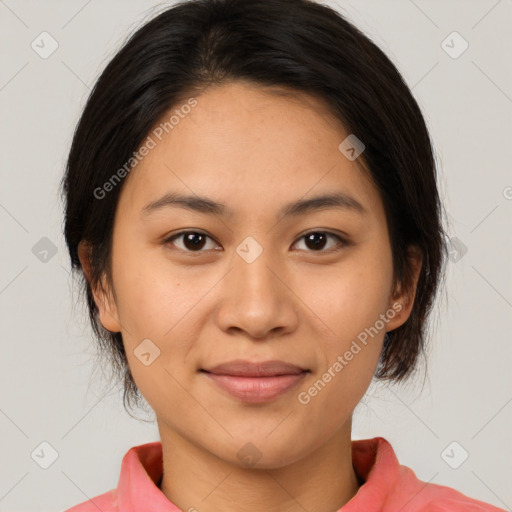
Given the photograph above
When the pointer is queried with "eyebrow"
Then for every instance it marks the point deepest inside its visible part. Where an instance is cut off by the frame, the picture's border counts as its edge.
(338, 200)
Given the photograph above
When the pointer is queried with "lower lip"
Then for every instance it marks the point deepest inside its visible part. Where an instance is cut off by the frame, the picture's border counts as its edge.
(256, 389)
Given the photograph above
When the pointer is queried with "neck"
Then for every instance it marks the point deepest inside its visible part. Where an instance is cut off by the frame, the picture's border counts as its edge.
(323, 481)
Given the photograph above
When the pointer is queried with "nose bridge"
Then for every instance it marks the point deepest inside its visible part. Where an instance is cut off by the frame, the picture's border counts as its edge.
(254, 299)
(251, 268)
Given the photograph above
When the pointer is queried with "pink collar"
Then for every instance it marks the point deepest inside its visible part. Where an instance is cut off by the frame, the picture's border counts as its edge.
(142, 467)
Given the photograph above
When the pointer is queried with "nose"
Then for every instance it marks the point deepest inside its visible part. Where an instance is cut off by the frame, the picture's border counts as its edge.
(257, 298)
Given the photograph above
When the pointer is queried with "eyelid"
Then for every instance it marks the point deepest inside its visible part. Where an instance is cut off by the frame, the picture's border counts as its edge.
(343, 240)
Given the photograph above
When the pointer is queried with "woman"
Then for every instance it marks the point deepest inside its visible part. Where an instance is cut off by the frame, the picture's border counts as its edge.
(251, 199)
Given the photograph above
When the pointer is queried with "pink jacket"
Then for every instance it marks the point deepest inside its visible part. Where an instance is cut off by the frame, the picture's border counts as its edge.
(388, 487)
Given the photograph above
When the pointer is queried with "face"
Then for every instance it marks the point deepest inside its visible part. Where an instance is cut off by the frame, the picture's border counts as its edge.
(197, 285)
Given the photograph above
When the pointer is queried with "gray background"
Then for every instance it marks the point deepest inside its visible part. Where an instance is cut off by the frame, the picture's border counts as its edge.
(51, 387)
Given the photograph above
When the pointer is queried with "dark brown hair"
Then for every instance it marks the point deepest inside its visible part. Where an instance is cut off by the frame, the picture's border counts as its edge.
(300, 45)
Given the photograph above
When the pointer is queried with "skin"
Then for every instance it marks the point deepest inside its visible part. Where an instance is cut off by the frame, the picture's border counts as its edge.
(255, 151)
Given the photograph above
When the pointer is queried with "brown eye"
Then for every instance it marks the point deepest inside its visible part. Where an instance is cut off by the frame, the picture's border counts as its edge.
(195, 241)
(192, 241)
(316, 241)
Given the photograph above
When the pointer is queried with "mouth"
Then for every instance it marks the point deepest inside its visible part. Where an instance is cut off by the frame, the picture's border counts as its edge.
(255, 382)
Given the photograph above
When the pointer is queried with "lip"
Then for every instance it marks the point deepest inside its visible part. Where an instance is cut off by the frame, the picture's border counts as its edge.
(255, 382)
(245, 368)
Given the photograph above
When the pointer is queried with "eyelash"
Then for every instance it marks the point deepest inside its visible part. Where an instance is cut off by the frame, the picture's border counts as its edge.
(342, 242)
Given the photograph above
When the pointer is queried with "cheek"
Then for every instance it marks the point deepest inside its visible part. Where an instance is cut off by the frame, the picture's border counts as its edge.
(349, 297)
(350, 305)
(349, 300)
(152, 295)
(158, 302)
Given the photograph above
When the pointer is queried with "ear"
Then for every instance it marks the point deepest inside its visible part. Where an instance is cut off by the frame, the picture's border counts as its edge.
(103, 297)
(402, 299)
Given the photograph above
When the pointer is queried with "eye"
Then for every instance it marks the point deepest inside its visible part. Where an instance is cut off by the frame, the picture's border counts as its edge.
(195, 241)
(316, 240)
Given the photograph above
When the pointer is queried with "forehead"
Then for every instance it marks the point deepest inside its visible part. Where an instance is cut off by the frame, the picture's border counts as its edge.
(249, 147)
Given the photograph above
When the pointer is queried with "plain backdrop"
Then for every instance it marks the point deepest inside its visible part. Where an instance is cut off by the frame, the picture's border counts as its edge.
(51, 389)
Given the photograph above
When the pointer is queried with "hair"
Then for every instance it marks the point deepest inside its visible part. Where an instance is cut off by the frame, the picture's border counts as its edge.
(299, 46)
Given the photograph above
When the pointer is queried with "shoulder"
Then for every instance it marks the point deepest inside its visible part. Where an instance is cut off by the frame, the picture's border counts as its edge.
(389, 486)
(439, 498)
(106, 502)
(416, 495)
(141, 467)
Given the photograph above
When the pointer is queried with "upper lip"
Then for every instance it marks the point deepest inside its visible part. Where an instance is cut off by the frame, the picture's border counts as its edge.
(246, 368)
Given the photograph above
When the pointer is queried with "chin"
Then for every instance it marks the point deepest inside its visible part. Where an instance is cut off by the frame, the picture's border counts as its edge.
(261, 451)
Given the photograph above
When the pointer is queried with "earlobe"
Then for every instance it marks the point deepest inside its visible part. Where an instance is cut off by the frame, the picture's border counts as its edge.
(103, 297)
(108, 314)
(402, 300)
